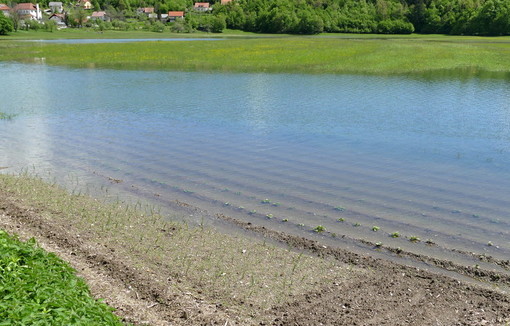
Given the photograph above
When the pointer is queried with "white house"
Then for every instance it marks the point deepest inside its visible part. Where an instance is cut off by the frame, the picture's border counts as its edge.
(28, 11)
(56, 7)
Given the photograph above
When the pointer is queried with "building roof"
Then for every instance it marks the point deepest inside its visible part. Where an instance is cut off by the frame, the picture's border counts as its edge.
(98, 14)
(4, 7)
(55, 4)
(148, 10)
(176, 14)
(25, 6)
(224, 2)
(201, 5)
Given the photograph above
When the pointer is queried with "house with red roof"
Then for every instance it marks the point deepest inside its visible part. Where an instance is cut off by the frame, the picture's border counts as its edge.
(100, 15)
(174, 15)
(202, 6)
(224, 2)
(28, 11)
(5, 9)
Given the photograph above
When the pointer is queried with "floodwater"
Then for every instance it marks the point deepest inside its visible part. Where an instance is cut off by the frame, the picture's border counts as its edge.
(428, 158)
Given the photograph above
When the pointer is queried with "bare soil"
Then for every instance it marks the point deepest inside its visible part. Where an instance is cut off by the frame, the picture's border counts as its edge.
(391, 294)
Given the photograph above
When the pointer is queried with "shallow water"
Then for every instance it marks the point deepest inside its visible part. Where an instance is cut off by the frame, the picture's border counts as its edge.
(424, 157)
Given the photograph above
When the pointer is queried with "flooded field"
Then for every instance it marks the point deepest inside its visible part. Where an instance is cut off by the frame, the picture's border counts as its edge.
(422, 165)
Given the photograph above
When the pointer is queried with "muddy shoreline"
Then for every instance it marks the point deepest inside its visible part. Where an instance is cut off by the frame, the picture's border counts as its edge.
(387, 294)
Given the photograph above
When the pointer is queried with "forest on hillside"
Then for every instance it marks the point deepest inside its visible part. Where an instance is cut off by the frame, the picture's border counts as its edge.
(457, 17)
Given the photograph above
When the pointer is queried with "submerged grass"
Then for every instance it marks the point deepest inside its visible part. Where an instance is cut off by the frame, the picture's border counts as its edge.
(250, 276)
(38, 288)
(320, 54)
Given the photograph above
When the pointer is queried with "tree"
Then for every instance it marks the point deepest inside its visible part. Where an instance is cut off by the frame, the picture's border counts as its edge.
(6, 25)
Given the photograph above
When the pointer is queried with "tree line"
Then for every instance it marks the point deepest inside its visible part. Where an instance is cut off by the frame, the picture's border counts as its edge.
(456, 17)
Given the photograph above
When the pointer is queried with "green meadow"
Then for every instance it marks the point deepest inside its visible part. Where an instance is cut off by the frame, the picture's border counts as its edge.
(244, 52)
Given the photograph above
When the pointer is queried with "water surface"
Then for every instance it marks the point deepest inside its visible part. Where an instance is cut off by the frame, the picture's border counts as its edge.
(422, 157)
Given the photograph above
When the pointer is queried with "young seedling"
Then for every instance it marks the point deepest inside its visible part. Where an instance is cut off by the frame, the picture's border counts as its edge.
(252, 212)
(378, 244)
(430, 242)
(356, 224)
(270, 216)
(319, 229)
(275, 204)
(375, 228)
(265, 201)
(395, 235)
(490, 244)
(285, 220)
(414, 239)
(341, 219)
(339, 208)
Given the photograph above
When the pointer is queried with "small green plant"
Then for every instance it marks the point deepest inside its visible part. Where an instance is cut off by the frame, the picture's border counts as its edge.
(6, 116)
(395, 235)
(275, 204)
(356, 224)
(375, 228)
(490, 244)
(339, 208)
(252, 212)
(301, 224)
(430, 242)
(378, 244)
(269, 216)
(319, 229)
(285, 220)
(265, 201)
(414, 239)
(226, 204)
(341, 219)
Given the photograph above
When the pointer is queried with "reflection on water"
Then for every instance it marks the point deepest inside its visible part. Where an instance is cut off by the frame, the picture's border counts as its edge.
(422, 157)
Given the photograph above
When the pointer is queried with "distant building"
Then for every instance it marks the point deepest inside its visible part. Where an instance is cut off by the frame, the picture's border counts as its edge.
(28, 11)
(5, 9)
(147, 11)
(99, 15)
(56, 7)
(202, 6)
(85, 4)
(59, 19)
(174, 15)
(224, 2)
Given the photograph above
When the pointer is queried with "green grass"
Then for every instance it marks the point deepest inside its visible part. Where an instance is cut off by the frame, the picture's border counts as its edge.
(37, 288)
(6, 116)
(351, 54)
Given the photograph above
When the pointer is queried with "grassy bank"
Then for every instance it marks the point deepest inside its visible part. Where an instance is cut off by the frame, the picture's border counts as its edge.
(379, 55)
(37, 288)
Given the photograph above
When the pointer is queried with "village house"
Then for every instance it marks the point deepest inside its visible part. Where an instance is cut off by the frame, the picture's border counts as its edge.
(5, 9)
(146, 11)
(224, 2)
(85, 4)
(174, 15)
(100, 15)
(59, 19)
(56, 7)
(202, 6)
(28, 11)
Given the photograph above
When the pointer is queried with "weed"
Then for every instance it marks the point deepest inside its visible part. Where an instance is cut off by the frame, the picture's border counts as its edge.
(285, 220)
(275, 204)
(252, 212)
(490, 244)
(356, 224)
(395, 235)
(265, 201)
(378, 244)
(375, 228)
(341, 219)
(414, 239)
(6, 116)
(269, 216)
(339, 208)
(319, 229)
